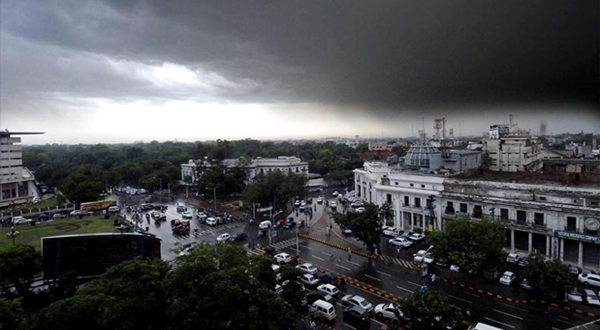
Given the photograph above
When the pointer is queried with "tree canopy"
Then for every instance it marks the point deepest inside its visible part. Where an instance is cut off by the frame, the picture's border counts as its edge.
(548, 278)
(18, 266)
(429, 311)
(275, 188)
(365, 226)
(475, 246)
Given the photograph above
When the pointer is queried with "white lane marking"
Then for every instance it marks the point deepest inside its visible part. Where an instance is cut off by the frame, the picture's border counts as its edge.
(461, 299)
(569, 323)
(555, 328)
(314, 256)
(507, 314)
(374, 320)
(371, 277)
(327, 254)
(407, 290)
(504, 324)
(413, 283)
(382, 273)
(354, 263)
(346, 268)
(507, 305)
(351, 327)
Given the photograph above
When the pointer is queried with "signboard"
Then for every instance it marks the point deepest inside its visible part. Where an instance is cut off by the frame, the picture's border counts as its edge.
(591, 223)
(92, 254)
(577, 237)
(424, 270)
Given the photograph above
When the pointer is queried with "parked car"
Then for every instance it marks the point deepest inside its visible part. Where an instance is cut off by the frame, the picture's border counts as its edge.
(417, 237)
(591, 297)
(211, 221)
(309, 279)
(114, 209)
(223, 238)
(512, 258)
(347, 232)
(283, 257)
(357, 315)
(525, 284)
(442, 262)
(575, 295)
(507, 278)
(278, 290)
(428, 258)
(187, 215)
(400, 241)
(392, 232)
(20, 220)
(56, 216)
(419, 256)
(523, 262)
(388, 311)
(351, 300)
(75, 213)
(334, 194)
(574, 270)
(239, 237)
(264, 225)
(328, 289)
(307, 268)
(589, 279)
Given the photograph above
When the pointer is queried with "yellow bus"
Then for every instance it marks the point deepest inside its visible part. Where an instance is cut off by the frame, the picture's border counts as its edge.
(97, 205)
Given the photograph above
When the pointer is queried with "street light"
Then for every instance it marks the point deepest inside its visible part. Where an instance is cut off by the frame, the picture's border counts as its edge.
(13, 233)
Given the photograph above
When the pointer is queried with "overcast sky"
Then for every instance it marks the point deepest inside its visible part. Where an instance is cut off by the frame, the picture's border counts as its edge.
(124, 71)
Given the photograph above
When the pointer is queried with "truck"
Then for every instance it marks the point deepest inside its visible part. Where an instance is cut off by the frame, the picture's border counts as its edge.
(98, 205)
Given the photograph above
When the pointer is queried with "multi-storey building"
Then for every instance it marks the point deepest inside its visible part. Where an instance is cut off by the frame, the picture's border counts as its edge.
(16, 182)
(255, 167)
(513, 151)
(543, 215)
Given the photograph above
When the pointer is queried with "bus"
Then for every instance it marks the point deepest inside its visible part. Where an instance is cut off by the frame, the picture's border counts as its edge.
(98, 205)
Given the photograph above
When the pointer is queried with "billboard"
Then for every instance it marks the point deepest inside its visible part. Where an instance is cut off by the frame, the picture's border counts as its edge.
(92, 254)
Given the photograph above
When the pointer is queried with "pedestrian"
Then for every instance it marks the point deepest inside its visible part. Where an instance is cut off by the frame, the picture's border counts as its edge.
(398, 249)
(349, 254)
(331, 260)
(433, 279)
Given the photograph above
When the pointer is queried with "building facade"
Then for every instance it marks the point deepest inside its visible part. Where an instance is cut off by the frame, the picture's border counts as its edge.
(558, 221)
(253, 168)
(513, 151)
(17, 183)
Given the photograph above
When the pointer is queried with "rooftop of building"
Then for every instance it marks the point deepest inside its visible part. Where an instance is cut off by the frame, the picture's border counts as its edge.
(536, 178)
(7, 133)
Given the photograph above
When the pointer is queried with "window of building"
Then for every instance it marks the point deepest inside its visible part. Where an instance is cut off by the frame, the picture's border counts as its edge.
(406, 201)
(504, 214)
(417, 202)
(521, 216)
(538, 219)
(464, 208)
(412, 184)
(449, 208)
(477, 212)
(389, 198)
(571, 224)
(422, 186)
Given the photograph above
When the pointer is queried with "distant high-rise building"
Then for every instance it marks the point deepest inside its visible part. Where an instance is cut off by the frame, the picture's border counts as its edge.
(512, 149)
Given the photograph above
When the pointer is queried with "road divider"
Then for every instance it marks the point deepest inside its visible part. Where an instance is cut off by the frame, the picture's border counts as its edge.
(337, 246)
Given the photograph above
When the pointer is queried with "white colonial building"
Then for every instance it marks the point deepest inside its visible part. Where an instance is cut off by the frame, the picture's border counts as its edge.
(253, 168)
(548, 217)
(17, 183)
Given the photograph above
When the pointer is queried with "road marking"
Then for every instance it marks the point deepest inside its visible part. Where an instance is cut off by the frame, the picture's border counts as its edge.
(507, 314)
(461, 299)
(471, 294)
(346, 268)
(382, 273)
(413, 283)
(569, 323)
(504, 324)
(374, 320)
(555, 328)
(314, 256)
(327, 254)
(507, 305)
(351, 327)
(371, 277)
(407, 290)
(354, 263)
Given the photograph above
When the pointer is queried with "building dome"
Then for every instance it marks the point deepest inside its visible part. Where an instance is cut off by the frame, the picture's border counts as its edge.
(419, 153)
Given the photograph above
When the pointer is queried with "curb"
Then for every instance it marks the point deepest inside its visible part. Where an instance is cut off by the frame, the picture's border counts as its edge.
(337, 246)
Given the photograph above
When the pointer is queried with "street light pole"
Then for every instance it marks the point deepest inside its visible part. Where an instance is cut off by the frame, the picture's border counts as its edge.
(214, 197)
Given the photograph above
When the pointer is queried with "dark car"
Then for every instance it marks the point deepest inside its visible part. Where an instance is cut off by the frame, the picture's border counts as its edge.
(329, 278)
(270, 251)
(289, 224)
(523, 262)
(240, 237)
(442, 262)
(45, 216)
(358, 316)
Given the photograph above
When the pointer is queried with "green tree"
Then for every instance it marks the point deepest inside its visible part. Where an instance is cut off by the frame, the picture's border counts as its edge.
(475, 246)
(18, 266)
(130, 295)
(274, 188)
(84, 185)
(486, 161)
(365, 226)
(429, 311)
(11, 313)
(549, 278)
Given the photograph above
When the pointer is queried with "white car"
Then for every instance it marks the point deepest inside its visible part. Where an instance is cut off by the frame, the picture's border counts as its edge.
(428, 258)
(201, 214)
(360, 210)
(400, 241)
(350, 300)
(507, 278)
(223, 238)
(575, 295)
(589, 278)
(333, 205)
(591, 297)
(454, 268)
(320, 200)
(512, 258)
(187, 215)
(416, 237)
(211, 221)
(391, 232)
(302, 203)
(328, 289)
(357, 204)
(419, 256)
(283, 258)
(297, 203)
(307, 268)
(309, 280)
(388, 311)
(18, 220)
(335, 193)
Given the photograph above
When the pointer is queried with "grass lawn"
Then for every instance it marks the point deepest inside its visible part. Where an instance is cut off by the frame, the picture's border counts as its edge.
(31, 234)
(35, 207)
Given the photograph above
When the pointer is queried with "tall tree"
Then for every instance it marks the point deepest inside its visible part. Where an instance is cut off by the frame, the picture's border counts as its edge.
(549, 278)
(365, 226)
(18, 266)
(274, 188)
(429, 311)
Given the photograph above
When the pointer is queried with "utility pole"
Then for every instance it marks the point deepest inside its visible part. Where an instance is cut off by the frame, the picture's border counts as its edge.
(214, 197)
(297, 243)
